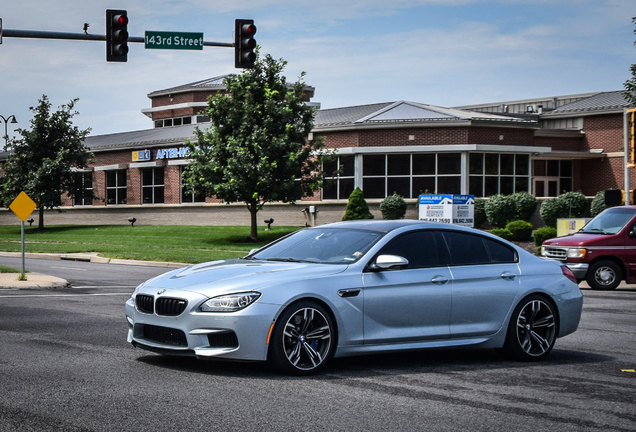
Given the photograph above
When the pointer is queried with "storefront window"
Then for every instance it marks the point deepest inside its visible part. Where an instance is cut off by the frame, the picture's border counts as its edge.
(552, 177)
(341, 185)
(410, 175)
(84, 193)
(492, 174)
(116, 189)
(152, 185)
(186, 195)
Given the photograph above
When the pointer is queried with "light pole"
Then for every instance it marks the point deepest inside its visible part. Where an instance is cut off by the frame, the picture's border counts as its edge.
(6, 133)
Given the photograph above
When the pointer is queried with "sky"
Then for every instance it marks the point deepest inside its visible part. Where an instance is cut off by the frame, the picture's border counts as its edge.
(354, 52)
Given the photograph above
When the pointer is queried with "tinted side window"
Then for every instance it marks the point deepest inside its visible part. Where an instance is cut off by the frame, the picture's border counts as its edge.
(466, 249)
(500, 253)
(419, 248)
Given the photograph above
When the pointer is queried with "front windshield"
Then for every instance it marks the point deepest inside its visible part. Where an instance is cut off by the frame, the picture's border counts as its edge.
(611, 221)
(316, 245)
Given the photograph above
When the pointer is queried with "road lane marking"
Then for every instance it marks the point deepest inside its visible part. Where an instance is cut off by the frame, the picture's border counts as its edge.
(69, 268)
(65, 295)
(629, 370)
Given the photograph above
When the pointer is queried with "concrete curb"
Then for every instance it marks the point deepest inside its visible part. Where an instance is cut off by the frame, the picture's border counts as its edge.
(34, 281)
(94, 258)
(40, 281)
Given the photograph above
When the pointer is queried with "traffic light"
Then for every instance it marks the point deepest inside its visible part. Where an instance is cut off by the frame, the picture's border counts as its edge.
(244, 43)
(116, 35)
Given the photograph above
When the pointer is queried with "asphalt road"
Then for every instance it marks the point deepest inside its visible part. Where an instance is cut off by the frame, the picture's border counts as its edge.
(65, 365)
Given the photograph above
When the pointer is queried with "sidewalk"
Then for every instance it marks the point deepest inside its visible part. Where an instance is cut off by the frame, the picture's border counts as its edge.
(41, 281)
(34, 281)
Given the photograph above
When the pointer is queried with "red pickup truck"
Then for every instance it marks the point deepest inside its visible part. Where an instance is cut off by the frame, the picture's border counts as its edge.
(603, 252)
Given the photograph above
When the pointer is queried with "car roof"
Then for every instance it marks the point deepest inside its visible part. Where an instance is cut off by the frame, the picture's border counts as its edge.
(384, 225)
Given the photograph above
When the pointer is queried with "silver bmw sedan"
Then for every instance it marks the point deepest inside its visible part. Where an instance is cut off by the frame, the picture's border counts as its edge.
(359, 287)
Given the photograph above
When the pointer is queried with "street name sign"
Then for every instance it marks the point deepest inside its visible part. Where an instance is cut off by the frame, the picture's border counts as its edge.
(173, 40)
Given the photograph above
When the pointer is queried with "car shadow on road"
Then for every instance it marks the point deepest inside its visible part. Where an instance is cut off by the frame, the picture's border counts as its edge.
(425, 361)
(446, 360)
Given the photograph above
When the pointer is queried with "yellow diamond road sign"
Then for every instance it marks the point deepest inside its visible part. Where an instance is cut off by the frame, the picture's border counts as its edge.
(23, 206)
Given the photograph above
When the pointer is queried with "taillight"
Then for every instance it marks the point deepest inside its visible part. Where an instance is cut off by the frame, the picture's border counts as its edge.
(568, 274)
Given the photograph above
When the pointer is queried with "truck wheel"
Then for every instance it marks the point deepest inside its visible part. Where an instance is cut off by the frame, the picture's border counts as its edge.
(604, 275)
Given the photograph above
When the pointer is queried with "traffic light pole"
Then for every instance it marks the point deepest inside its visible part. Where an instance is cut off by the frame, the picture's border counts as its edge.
(34, 34)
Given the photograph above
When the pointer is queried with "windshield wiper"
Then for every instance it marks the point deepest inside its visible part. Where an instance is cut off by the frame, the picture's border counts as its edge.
(283, 259)
(595, 231)
(308, 260)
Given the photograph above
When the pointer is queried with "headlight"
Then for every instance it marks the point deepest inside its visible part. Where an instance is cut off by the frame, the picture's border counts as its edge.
(230, 302)
(576, 252)
(542, 250)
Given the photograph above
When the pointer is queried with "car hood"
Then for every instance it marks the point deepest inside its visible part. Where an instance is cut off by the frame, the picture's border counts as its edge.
(227, 276)
(582, 239)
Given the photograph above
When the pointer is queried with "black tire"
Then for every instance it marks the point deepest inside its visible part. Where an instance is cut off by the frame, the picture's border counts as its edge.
(604, 275)
(303, 339)
(532, 331)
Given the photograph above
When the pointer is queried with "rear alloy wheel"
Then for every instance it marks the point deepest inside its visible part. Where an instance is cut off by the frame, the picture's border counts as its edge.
(604, 275)
(303, 339)
(532, 331)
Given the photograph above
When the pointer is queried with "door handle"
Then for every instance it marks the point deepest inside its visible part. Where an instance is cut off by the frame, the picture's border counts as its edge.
(439, 280)
(351, 292)
(508, 275)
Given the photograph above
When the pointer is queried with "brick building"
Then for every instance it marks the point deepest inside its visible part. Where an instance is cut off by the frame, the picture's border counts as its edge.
(543, 146)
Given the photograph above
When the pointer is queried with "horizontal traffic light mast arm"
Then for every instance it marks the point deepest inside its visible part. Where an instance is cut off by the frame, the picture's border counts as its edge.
(35, 34)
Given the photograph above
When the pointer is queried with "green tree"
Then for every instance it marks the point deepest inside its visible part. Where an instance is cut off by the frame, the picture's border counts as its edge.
(256, 150)
(43, 161)
(357, 207)
(630, 84)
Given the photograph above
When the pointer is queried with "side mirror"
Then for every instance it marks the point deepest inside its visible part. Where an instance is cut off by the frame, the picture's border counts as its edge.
(632, 232)
(388, 262)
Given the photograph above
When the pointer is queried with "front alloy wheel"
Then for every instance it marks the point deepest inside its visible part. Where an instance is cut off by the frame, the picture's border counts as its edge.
(302, 339)
(532, 330)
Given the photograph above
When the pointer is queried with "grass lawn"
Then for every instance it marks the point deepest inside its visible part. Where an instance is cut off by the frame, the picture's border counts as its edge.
(187, 244)
(7, 269)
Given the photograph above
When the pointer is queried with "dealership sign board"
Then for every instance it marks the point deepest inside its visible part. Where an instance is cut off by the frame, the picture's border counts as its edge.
(464, 210)
(452, 209)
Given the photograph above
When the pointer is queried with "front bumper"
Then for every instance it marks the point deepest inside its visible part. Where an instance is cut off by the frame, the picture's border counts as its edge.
(240, 335)
(578, 269)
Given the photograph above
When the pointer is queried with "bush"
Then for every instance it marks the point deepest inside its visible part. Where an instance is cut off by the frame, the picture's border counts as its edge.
(553, 209)
(500, 209)
(504, 233)
(393, 207)
(525, 205)
(521, 230)
(542, 234)
(598, 204)
(480, 211)
(357, 207)
(577, 203)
